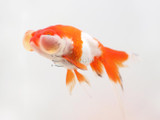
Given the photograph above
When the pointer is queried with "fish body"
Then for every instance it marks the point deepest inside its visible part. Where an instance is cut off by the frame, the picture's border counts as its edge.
(74, 49)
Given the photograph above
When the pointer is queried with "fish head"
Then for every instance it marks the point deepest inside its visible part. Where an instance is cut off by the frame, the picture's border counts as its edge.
(45, 40)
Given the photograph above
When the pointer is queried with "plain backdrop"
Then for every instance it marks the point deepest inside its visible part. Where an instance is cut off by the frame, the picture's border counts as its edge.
(32, 89)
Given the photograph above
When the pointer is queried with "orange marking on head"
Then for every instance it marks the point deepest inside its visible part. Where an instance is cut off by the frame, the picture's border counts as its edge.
(37, 34)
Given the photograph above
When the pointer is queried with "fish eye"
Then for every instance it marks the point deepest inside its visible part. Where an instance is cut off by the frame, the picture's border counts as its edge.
(48, 33)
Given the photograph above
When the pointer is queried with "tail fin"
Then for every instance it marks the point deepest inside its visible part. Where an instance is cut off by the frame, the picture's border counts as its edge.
(112, 60)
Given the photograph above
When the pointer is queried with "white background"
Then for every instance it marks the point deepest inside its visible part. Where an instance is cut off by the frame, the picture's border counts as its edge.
(31, 89)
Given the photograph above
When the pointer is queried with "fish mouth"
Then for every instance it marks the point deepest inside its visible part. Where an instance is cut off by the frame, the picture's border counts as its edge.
(26, 40)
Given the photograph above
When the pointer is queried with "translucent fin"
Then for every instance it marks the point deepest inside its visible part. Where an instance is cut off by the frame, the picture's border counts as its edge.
(70, 80)
(120, 100)
(81, 78)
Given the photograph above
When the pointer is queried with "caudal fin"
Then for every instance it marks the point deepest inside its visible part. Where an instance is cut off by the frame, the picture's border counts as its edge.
(112, 60)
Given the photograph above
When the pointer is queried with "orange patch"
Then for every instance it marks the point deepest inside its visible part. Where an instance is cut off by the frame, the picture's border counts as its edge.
(75, 35)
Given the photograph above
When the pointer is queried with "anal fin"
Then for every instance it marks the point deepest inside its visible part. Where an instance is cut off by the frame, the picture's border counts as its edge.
(81, 78)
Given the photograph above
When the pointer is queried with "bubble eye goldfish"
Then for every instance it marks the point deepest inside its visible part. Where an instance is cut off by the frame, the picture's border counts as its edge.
(73, 49)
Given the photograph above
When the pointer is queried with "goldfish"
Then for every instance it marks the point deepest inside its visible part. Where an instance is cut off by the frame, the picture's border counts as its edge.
(75, 50)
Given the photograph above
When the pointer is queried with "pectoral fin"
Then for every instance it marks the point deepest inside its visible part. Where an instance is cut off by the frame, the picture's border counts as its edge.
(76, 63)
